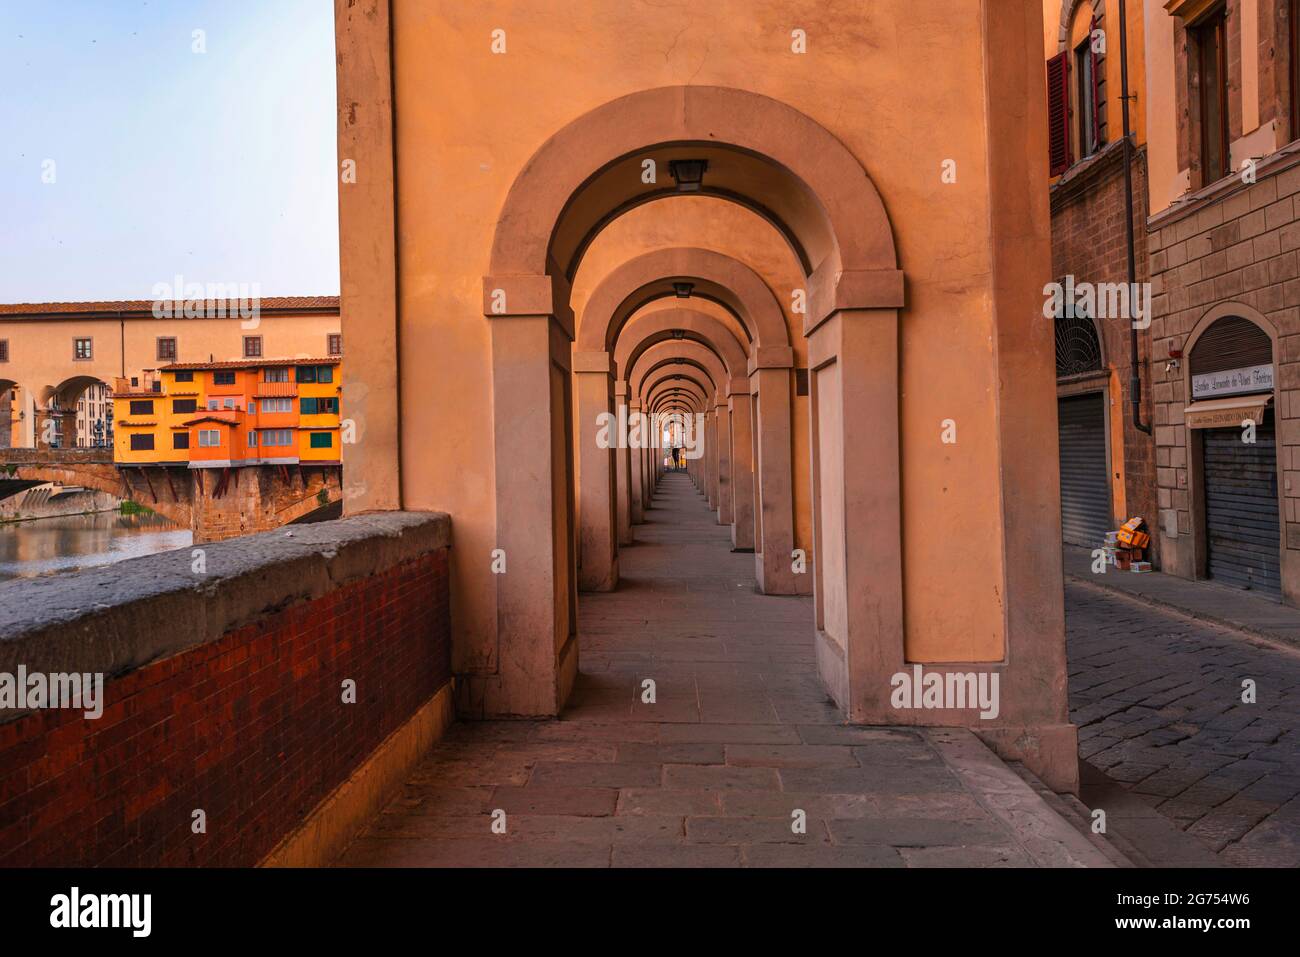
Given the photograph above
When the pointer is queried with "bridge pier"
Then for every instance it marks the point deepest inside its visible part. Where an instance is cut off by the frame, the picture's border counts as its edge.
(227, 503)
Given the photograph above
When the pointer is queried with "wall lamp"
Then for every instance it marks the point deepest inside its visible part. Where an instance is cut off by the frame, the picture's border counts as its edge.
(689, 174)
(683, 289)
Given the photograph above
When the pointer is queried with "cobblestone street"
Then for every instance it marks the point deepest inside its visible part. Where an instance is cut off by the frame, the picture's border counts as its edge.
(1157, 697)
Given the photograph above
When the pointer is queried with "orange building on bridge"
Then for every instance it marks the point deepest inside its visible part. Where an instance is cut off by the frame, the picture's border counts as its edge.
(231, 414)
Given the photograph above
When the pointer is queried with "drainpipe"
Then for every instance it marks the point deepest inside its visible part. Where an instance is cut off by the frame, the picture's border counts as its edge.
(1135, 377)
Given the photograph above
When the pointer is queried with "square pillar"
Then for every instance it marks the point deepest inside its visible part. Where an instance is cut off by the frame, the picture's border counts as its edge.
(723, 446)
(536, 592)
(640, 459)
(597, 479)
(774, 562)
(857, 510)
(742, 471)
(710, 456)
(623, 514)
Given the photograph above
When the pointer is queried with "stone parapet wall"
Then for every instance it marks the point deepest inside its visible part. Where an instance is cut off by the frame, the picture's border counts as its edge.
(224, 689)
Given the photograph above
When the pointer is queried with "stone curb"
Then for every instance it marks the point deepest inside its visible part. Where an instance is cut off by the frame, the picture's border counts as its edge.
(1254, 631)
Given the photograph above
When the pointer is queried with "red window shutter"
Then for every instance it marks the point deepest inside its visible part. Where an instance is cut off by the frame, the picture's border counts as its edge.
(1058, 113)
(1096, 84)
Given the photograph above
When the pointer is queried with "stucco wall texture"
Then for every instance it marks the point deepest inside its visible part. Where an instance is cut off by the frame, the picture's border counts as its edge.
(891, 79)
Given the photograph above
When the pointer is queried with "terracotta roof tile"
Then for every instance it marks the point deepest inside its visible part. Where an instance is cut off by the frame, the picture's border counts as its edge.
(265, 304)
(249, 364)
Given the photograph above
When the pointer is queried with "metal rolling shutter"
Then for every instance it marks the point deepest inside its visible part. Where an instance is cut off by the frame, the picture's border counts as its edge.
(1085, 485)
(1241, 509)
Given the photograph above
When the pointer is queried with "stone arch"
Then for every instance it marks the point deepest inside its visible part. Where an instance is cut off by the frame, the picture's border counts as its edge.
(1227, 310)
(831, 207)
(762, 152)
(686, 352)
(646, 341)
(689, 362)
(109, 479)
(650, 277)
(59, 402)
(1069, 8)
(650, 328)
(669, 380)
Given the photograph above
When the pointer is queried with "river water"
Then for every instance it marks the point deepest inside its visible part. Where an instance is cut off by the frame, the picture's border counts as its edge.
(48, 546)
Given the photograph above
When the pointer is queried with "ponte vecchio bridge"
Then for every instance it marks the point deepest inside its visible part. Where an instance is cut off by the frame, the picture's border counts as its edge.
(213, 503)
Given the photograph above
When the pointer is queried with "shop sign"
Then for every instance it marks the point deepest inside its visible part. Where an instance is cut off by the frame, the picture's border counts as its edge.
(1232, 382)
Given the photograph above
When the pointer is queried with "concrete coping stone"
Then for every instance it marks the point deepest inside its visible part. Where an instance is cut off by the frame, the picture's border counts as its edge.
(116, 618)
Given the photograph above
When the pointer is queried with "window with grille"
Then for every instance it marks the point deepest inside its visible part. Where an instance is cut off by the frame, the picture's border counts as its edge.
(1078, 350)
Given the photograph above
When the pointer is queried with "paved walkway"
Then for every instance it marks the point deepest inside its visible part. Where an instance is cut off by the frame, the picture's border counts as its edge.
(739, 744)
(1157, 696)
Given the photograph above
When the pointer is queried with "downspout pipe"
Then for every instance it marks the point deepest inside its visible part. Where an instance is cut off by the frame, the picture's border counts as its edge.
(1135, 377)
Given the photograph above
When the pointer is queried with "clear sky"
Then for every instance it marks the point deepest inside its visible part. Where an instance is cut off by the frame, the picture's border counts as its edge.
(218, 166)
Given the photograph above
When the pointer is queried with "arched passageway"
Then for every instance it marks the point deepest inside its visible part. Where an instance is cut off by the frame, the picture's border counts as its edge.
(762, 151)
(583, 193)
(76, 413)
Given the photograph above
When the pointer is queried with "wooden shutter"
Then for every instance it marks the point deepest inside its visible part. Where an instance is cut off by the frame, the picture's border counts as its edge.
(1096, 85)
(1230, 343)
(1058, 114)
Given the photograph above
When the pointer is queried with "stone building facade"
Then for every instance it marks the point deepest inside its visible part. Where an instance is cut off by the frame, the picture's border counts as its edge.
(1224, 244)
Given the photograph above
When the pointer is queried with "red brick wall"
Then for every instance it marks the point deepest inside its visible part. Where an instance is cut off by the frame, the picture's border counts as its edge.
(1088, 242)
(251, 728)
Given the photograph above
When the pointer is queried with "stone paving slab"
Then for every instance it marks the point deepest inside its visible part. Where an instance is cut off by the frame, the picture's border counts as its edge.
(741, 761)
(1157, 697)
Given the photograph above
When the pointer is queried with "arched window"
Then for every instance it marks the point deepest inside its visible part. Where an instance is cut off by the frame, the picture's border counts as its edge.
(1232, 342)
(1078, 350)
